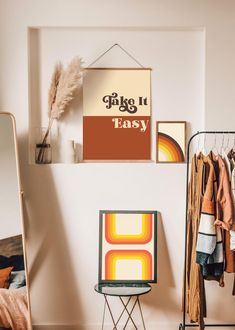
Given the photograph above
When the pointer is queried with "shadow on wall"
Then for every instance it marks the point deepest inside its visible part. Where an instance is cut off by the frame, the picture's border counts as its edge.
(162, 294)
(48, 250)
(67, 127)
(50, 262)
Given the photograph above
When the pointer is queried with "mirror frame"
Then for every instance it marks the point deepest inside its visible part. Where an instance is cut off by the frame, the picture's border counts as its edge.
(21, 212)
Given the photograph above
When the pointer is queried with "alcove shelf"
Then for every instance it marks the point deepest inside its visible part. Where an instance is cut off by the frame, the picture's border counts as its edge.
(43, 48)
(172, 98)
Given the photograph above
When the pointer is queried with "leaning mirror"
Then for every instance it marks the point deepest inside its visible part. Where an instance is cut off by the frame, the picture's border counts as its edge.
(14, 294)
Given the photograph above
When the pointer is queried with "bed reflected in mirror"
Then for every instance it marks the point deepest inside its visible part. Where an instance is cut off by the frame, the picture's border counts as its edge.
(14, 296)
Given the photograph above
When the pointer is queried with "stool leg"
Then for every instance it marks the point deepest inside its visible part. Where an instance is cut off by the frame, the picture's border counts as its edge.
(114, 324)
(129, 313)
(123, 311)
(104, 314)
(141, 313)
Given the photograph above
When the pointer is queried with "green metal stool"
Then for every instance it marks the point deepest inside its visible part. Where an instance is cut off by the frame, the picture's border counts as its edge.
(123, 290)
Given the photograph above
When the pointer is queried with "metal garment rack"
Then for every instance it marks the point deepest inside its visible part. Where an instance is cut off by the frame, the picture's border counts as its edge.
(185, 325)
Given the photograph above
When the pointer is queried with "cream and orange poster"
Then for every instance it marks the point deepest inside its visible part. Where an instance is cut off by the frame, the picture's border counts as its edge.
(128, 242)
(117, 114)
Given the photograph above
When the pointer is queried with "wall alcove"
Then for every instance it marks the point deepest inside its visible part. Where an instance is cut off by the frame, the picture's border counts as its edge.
(176, 57)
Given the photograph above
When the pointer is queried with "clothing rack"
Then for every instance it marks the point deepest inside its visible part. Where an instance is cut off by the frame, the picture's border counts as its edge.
(185, 325)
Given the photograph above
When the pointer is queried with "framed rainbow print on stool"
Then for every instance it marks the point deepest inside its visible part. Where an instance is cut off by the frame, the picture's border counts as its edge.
(127, 247)
(171, 141)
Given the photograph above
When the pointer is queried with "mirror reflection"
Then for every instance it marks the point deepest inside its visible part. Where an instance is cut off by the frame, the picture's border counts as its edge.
(14, 302)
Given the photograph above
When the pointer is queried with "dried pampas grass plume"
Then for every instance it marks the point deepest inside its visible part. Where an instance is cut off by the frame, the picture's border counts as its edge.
(53, 87)
(70, 81)
(63, 88)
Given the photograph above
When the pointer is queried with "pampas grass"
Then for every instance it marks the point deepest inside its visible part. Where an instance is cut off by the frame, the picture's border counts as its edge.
(69, 82)
(55, 79)
(63, 88)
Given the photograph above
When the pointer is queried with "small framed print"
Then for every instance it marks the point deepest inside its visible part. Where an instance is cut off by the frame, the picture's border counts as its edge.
(171, 142)
(127, 247)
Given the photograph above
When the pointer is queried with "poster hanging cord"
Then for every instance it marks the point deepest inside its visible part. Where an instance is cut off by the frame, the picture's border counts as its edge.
(125, 51)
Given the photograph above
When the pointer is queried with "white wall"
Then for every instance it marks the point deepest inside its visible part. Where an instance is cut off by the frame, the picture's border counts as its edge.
(62, 201)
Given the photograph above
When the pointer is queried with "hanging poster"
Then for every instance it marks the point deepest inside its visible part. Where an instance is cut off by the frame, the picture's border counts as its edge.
(116, 114)
(128, 241)
(171, 141)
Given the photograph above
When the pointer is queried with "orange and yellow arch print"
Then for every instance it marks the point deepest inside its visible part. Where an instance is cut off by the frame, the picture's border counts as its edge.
(114, 256)
(113, 237)
(168, 149)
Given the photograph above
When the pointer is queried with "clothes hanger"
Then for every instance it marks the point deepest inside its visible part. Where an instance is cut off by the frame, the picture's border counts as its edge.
(198, 145)
(204, 150)
(225, 156)
(231, 153)
(214, 148)
(222, 146)
(233, 150)
(226, 149)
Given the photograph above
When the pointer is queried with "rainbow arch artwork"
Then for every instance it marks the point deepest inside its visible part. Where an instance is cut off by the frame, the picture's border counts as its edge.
(128, 246)
(128, 265)
(114, 235)
(168, 149)
(171, 149)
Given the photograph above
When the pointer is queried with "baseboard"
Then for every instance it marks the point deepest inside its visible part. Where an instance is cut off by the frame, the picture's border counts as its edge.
(56, 326)
(155, 326)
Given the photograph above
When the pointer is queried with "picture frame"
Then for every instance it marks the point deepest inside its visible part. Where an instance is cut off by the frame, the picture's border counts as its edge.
(117, 114)
(171, 142)
(127, 246)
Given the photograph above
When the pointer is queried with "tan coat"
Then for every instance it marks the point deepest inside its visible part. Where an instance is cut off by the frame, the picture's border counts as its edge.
(225, 210)
(195, 291)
